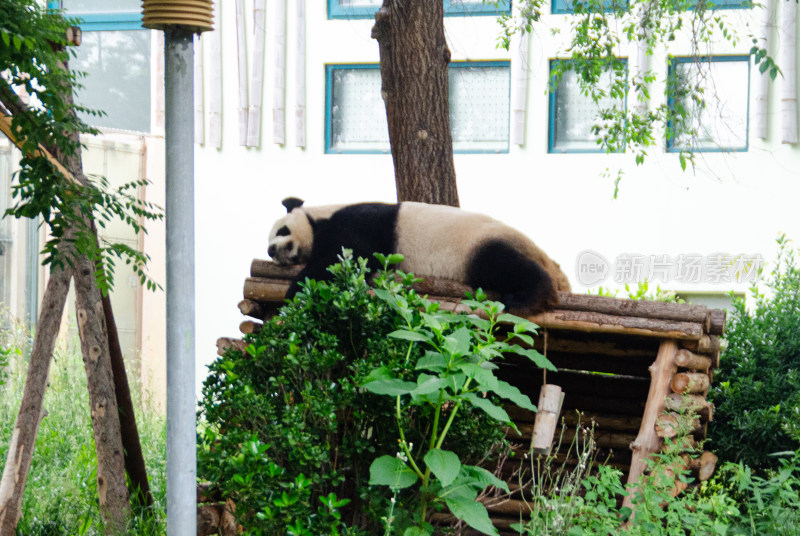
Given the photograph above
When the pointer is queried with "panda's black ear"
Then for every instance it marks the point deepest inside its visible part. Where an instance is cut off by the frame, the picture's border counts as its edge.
(292, 203)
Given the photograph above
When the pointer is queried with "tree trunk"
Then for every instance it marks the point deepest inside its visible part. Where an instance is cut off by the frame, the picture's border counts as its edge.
(111, 489)
(415, 87)
(20, 452)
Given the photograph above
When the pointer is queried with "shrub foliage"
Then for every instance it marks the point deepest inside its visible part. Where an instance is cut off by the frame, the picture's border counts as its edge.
(289, 433)
(757, 391)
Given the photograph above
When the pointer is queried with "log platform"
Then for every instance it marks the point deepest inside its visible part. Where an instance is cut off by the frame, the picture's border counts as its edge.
(639, 370)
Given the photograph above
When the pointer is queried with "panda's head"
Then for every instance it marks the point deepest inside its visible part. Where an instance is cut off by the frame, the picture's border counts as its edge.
(292, 236)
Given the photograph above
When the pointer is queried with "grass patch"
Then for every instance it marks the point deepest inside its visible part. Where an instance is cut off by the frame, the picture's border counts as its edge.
(61, 493)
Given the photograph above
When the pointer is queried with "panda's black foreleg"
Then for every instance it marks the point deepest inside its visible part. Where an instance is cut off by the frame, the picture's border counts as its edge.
(524, 286)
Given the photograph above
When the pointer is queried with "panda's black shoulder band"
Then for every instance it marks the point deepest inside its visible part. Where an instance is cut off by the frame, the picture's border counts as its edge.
(292, 203)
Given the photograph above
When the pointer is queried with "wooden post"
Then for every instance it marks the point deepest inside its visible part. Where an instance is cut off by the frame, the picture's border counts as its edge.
(550, 399)
(111, 487)
(648, 442)
(23, 438)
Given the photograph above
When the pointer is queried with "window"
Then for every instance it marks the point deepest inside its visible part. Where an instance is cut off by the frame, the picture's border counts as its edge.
(573, 114)
(115, 55)
(587, 6)
(719, 123)
(365, 9)
(592, 6)
(479, 108)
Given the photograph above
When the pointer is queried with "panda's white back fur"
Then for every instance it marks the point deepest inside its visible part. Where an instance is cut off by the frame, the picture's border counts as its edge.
(436, 241)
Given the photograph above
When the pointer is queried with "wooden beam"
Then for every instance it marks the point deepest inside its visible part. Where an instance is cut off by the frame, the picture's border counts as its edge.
(648, 442)
(6, 128)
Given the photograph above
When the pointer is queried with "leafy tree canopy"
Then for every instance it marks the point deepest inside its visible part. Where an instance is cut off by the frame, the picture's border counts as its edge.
(34, 58)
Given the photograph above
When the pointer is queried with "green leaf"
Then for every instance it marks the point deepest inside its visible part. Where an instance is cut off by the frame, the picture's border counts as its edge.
(391, 471)
(432, 322)
(513, 319)
(406, 335)
(495, 412)
(444, 464)
(394, 258)
(391, 387)
(429, 384)
(471, 512)
(483, 477)
(459, 342)
(682, 158)
(509, 392)
(416, 531)
(380, 373)
(540, 360)
(485, 377)
(432, 361)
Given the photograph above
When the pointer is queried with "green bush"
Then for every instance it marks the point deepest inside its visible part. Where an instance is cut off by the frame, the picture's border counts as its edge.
(288, 432)
(757, 388)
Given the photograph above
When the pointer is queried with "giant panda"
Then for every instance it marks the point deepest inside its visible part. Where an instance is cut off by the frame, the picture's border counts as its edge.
(435, 240)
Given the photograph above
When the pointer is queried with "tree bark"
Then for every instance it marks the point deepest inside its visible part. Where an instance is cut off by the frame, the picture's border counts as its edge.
(20, 452)
(134, 459)
(415, 87)
(111, 489)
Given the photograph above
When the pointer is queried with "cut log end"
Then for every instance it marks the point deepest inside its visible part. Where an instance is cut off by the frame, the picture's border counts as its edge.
(690, 382)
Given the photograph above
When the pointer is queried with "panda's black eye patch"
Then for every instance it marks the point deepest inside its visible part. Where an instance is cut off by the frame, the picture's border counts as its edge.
(283, 231)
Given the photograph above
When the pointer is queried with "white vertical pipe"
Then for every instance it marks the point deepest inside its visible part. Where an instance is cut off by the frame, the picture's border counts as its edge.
(642, 66)
(519, 89)
(279, 86)
(788, 63)
(181, 428)
(257, 74)
(199, 111)
(215, 82)
(242, 48)
(300, 75)
(761, 99)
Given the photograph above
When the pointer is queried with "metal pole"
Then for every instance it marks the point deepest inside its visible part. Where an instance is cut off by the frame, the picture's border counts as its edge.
(179, 137)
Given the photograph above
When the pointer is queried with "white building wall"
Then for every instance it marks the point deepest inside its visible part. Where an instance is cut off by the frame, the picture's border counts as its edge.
(730, 203)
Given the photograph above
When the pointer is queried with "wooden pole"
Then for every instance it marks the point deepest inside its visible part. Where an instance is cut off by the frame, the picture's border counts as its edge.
(23, 438)
(111, 488)
(256, 74)
(241, 40)
(648, 442)
(548, 410)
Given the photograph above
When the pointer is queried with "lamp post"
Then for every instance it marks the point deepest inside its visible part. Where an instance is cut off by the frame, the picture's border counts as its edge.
(180, 20)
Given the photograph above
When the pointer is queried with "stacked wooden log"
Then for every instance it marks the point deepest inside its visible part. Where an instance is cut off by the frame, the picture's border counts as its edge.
(640, 370)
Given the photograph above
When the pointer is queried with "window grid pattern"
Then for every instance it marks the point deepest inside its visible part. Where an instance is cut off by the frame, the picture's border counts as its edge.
(365, 9)
(563, 7)
(573, 114)
(115, 55)
(721, 123)
(479, 108)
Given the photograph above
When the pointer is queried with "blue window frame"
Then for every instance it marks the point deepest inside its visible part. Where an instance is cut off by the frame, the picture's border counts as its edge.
(365, 9)
(567, 6)
(355, 114)
(561, 7)
(721, 122)
(573, 114)
(115, 55)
